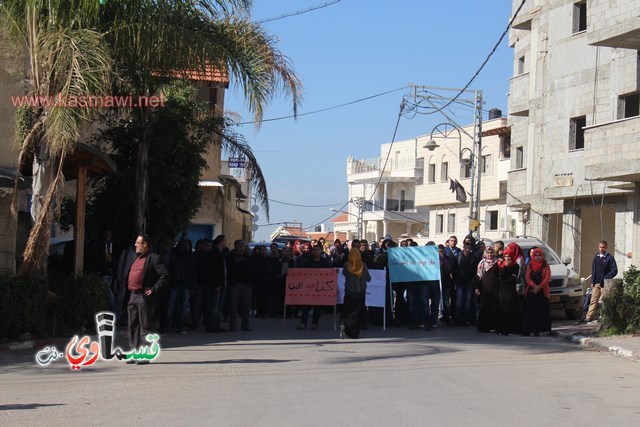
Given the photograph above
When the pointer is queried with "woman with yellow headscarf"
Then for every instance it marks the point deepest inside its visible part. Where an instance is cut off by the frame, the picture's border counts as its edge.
(357, 276)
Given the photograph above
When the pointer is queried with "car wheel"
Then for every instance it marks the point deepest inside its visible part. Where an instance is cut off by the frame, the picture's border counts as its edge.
(574, 313)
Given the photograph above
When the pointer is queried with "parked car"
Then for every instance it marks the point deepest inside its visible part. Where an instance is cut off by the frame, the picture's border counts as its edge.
(566, 287)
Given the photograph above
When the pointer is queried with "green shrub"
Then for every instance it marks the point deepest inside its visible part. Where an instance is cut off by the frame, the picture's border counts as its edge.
(622, 304)
(23, 305)
(81, 297)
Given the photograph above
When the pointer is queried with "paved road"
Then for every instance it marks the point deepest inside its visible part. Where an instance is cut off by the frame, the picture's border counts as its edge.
(275, 377)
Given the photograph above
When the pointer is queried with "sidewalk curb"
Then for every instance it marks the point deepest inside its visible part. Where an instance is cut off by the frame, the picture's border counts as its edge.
(589, 343)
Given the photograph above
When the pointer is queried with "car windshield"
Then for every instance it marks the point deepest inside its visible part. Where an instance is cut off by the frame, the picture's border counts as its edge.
(549, 256)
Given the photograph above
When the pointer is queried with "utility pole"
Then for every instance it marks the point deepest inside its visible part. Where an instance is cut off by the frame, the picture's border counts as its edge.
(358, 202)
(426, 93)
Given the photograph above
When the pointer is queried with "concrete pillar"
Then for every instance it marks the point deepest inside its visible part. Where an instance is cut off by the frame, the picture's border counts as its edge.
(635, 250)
(571, 237)
(384, 200)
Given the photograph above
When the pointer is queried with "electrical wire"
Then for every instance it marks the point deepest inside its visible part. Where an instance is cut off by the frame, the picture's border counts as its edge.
(386, 160)
(299, 12)
(304, 206)
(324, 147)
(339, 210)
(495, 47)
(325, 109)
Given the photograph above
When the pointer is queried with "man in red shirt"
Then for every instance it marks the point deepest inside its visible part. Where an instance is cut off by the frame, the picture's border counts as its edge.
(145, 275)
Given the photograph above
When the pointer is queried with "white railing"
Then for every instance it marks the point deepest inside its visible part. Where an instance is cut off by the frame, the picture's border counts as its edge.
(370, 165)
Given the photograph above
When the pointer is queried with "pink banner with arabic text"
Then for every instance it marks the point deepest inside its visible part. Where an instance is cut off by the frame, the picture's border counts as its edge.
(311, 286)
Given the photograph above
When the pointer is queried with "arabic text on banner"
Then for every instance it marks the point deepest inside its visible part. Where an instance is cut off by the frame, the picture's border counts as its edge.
(375, 288)
(414, 264)
(311, 286)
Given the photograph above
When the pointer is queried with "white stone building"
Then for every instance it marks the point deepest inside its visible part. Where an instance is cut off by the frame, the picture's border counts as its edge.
(449, 217)
(574, 112)
(410, 196)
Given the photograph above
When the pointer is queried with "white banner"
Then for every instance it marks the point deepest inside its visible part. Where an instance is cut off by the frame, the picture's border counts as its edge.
(375, 288)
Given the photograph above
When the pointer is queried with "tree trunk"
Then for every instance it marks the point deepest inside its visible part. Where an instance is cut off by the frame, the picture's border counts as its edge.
(142, 182)
(43, 175)
(37, 249)
(142, 175)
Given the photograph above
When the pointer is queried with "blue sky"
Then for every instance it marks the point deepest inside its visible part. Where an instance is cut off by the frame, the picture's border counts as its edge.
(351, 50)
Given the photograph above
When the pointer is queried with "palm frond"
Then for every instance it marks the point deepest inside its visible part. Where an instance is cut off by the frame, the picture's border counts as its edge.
(160, 37)
(235, 145)
(79, 68)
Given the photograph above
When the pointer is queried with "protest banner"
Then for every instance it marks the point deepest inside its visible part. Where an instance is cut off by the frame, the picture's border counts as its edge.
(311, 286)
(414, 264)
(375, 288)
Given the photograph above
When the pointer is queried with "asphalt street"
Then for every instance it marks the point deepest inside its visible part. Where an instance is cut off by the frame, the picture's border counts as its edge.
(284, 377)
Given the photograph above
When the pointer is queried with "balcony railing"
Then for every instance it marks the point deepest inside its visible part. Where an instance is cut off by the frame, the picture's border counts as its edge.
(519, 94)
(612, 152)
(371, 165)
(615, 25)
(396, 205)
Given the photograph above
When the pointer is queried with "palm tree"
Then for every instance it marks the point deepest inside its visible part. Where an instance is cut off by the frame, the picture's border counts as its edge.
(66, 57)
(153, 40)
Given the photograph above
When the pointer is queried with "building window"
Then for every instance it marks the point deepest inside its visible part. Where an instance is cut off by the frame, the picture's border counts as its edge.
(465, 170)
(580, 16)
(503, 189)
(439, 223)
(485, 163)
(492, 220)
(629, 106)
(451, 223)
(432, 173)
(519, 157)
(444, 172)
(505, 147)
(521, 65)
(576, 133)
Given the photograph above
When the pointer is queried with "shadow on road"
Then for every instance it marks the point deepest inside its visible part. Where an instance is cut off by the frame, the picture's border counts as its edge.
(22, 406)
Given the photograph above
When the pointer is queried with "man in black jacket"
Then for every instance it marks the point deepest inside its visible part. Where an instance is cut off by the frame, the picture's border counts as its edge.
(240, 277)
(464, 273)
(217, 286)
(146, 275)
(603, 267)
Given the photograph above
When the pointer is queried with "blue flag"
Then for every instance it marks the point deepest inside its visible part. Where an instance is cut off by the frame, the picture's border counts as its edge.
(414, 264)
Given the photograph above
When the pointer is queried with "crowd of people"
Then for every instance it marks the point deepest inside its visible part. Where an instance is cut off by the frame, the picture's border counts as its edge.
(492, 288)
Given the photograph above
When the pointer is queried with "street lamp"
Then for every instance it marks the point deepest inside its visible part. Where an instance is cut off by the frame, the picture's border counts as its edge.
(425, 93)
(445, 130)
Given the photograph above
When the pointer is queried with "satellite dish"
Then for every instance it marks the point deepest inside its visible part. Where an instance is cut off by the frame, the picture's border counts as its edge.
(254, 227)
(255, 208)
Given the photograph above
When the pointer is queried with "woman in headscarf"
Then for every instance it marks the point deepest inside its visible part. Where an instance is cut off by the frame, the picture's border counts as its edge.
(537, 312)
(487, 288)
(517, 257)
(507, 298)
(357, 276)
(335, 254)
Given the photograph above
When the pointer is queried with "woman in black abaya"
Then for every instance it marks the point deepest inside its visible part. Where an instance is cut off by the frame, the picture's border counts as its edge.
(507, 297)
(357, 276)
